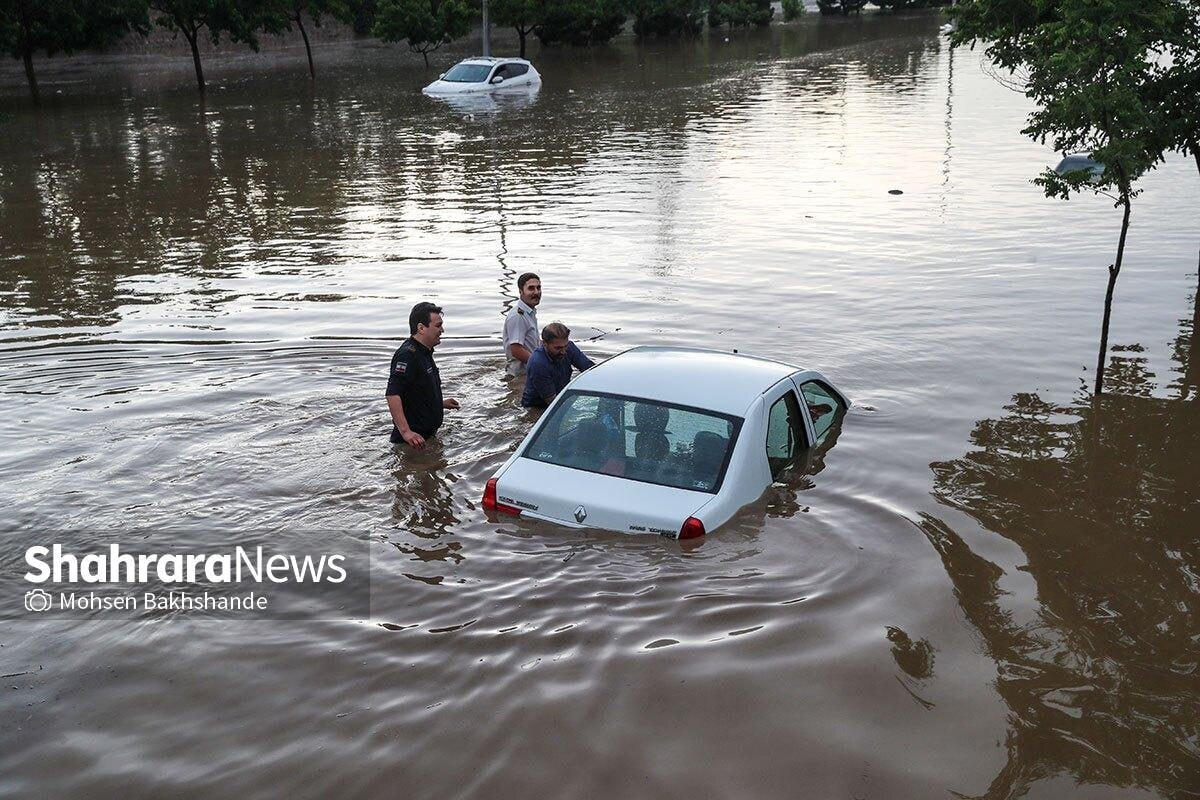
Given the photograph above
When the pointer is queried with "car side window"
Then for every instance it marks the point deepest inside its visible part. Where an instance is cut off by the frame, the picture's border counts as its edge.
(785, 433)
(822, 407)
(509, 71)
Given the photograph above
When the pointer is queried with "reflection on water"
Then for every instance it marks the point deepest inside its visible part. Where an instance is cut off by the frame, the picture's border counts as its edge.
(185, 190)
(1102, 676)
(489, 102)
(1186, 350)
(197, 306)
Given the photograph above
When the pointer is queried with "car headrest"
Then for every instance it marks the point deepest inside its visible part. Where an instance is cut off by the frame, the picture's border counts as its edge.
(709, 448)
(590, 436)
(650, 418)
(651, 446)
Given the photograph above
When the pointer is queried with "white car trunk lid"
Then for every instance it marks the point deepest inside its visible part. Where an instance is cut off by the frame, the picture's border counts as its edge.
(588, 499)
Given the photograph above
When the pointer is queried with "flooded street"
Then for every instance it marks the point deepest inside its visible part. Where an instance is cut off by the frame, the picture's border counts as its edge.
(986, 588)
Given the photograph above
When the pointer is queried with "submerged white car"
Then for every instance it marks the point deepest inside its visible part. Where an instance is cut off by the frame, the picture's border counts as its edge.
(664, 440)
(485, 75)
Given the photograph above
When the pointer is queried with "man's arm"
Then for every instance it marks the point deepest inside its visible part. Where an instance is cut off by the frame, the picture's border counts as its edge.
(402, 365)
(520, 352)
(514, 339)
(578, 360)
(818, 411)
(396, 406)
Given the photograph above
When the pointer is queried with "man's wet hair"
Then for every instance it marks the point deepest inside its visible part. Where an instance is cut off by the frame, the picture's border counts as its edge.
(526, 278)
(555, 331)
(421, 314)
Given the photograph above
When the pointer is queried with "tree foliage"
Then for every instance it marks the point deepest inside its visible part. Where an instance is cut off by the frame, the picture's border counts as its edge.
(362, 16)
(1176, 89)
(426, 24)
(28, 27)
(236, 19)
(740, 13)
(792, 9)
(1094, 69)
(668, 17)
(581, 22)
(277, 16)
(521, 15)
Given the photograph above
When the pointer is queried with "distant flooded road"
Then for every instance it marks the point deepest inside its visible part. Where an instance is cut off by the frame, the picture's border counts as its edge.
(988, 588)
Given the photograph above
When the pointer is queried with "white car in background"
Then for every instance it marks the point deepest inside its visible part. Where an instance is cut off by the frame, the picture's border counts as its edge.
(485, 74)
(665, 440)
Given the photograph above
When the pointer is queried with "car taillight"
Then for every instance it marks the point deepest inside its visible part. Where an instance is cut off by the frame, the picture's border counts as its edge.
(692, 529)
(490, 503)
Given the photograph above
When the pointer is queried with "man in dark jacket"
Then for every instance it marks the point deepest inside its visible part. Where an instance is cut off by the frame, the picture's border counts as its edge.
(414, 390)
(549, 368)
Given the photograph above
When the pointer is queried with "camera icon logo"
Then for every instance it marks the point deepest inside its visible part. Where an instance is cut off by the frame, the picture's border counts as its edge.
(38, 600)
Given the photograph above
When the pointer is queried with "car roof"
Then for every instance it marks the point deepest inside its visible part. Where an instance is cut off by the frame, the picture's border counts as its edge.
(711, 379)
(488, 60)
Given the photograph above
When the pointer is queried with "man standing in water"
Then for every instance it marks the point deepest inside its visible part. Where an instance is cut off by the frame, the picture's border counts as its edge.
(414, 390)
(549, 368)
(521, 325)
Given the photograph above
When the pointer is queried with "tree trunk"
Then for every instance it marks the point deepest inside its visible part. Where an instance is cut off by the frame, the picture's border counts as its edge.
(523, 33)
(27, 56)
(191, 37)
(1113, 271)
(312, 71)
(1194, 146)
(425, 54)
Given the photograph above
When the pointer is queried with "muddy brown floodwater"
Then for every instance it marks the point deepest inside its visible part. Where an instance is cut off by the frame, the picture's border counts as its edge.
(987, 588)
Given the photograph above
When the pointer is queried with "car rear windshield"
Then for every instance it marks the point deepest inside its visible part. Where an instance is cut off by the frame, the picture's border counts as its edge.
(467, 73)
(642, 440)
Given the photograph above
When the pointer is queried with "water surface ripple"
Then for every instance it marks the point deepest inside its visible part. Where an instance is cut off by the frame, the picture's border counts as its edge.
(972, 593)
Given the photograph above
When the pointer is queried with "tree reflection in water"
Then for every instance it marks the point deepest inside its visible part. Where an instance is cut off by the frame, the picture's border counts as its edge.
(1103, 683)
(1187, 348)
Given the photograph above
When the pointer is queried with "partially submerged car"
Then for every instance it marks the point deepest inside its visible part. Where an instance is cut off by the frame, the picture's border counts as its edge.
(665, 440)
(485, 74)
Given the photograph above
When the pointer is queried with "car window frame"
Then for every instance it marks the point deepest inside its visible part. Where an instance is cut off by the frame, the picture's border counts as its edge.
(770, 398)
(834, 394)
(567, 394)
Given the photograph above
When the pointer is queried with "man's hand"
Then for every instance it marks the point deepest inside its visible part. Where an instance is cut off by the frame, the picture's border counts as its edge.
(449, 402)
(414, 439)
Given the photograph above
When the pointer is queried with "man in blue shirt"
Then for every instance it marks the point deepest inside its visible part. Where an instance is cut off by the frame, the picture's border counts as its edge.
(548, 370)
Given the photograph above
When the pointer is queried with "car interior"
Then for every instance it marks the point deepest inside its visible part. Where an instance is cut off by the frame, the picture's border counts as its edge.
(638, 440)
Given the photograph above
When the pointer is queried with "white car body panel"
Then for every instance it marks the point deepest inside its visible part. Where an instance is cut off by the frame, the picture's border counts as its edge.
(745, 479)
(735, 385)
(529, 79)
(709, 379)
(556, 494)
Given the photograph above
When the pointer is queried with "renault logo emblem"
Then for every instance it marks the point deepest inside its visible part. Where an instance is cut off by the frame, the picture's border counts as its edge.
(580, 514)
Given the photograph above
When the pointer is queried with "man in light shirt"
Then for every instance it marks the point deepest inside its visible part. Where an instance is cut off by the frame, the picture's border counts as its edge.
(521, 333)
